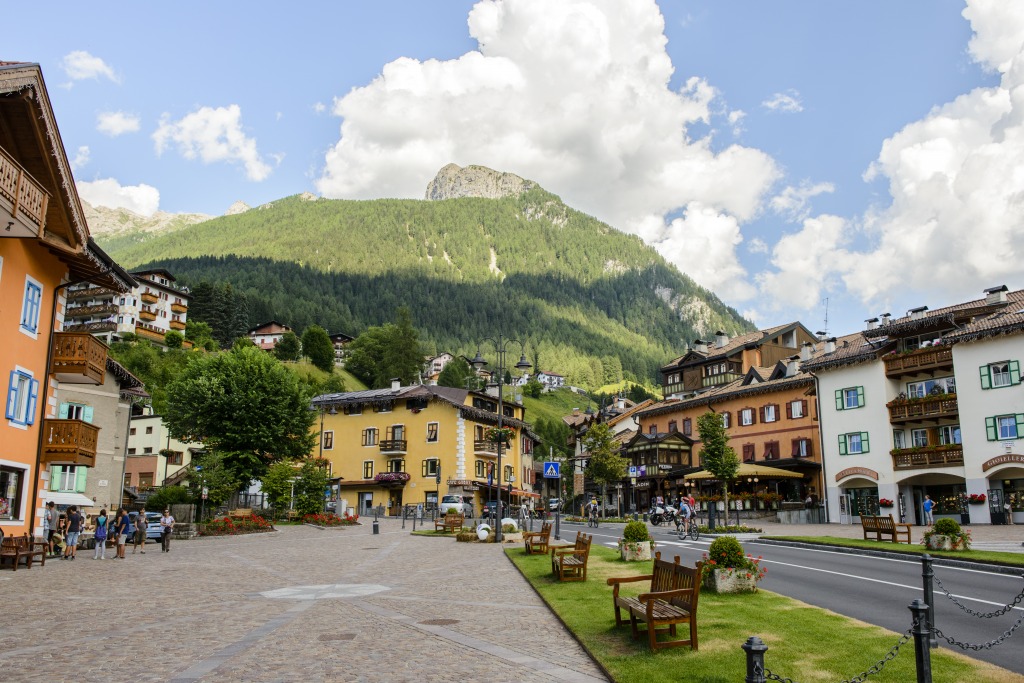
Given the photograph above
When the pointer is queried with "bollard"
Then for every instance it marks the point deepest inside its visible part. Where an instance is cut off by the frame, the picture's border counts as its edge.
(929, 597)
(711, 517)
(558, 519)
(755, 649)
(414, 522)
(403, 517)
(922, 635)
(376, 527)
(375, 514)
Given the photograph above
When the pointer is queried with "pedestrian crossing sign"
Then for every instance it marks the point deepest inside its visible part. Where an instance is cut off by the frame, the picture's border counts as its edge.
(551, 470)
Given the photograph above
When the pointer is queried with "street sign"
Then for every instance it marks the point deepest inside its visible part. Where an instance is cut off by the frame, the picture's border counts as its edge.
(632, 470)
(642, 471)
(552, 470)
(205, 492)
(633, 481)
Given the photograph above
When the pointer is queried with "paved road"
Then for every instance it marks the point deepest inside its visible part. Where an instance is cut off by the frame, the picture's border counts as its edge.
(874, 590)
(299, 604)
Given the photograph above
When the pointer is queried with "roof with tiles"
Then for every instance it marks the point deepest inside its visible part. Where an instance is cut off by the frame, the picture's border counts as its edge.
(734, 344)
(1009, 319)
(850, 350)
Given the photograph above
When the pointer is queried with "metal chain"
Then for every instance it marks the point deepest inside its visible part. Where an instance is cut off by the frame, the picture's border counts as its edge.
(863, 676)
(987, 615)
(983, 646)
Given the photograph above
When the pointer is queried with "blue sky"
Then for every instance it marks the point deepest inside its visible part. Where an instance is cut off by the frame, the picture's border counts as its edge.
(779, 152)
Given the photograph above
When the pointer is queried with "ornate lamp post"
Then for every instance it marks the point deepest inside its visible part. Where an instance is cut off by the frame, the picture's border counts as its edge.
(500, 347)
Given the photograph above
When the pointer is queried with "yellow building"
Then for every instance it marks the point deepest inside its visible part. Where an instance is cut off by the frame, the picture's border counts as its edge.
(411, 445)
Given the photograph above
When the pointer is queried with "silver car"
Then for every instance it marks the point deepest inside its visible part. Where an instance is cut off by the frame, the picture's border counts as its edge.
(456, 504)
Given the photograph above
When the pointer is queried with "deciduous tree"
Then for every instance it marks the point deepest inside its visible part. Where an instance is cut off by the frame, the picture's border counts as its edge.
(605, 465)
(317, 346)
(716, 455)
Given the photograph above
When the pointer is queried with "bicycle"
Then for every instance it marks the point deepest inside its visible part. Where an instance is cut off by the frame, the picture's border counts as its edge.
(592, 519)
(689, 528)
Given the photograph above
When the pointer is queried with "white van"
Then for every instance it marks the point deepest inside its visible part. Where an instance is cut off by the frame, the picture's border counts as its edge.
(453, 503)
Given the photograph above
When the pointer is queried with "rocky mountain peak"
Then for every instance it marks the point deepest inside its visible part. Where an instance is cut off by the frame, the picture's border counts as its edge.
(237, 208)
(454, 181)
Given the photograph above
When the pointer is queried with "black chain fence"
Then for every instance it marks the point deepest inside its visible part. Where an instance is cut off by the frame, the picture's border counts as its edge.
(863, 676)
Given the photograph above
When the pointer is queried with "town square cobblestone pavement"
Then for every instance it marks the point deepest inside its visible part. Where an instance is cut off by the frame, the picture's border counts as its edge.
(298, 604)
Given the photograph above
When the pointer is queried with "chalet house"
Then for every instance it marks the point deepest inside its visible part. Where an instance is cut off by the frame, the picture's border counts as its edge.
(340, 340)
(433, 367)
(267, 335)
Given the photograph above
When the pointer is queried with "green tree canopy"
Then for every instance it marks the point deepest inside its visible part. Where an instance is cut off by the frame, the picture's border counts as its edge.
(317, 346)
(244, 405)
(156, 368)
(309, 488)
(277, 484)
(382, 353)
(212, 470)
(174, 339)
(605, 465)
(457, 374)
(288, 348)
(200, 334)
(717, 456)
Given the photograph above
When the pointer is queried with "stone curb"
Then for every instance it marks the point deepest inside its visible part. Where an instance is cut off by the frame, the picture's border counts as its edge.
(936, 561)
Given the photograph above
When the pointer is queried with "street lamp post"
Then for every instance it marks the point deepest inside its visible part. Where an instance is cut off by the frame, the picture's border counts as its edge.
(500, 347)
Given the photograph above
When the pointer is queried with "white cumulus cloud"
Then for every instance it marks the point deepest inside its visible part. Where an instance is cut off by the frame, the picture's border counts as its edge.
(793, 201)
(80, 65)
(212, 135)
(141, 199)
(114, 123)
(574, 95)
(788, 102)
(81, 158)
(808, 263)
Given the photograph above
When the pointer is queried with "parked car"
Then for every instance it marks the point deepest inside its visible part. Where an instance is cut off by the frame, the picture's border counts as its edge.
(153, 529)
(490, 507)
(554, 504)
(453, 503)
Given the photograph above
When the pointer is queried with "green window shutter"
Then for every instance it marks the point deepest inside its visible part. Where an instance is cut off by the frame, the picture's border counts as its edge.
(864, 445)
(1015, 371)
(1019, 417)
(839, 399)
(860, 397)
(986, 377)
(62, 414)
(87, 414)
(80, 474)
(990, 429)
(842, 444)
(54, 477)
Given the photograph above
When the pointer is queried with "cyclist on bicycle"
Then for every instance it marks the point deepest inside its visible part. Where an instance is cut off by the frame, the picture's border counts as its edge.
(686, 512)
(592, 509)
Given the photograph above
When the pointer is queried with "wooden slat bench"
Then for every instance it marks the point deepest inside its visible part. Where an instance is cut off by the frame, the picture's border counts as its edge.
(449, 523)
(570, 564)
(18, 547)
(885, 526)
(239, 514)
(672, 600)
(537, 541)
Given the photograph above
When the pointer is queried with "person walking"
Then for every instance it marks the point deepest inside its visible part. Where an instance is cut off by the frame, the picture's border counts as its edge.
(121, 526)
(166, 527)
(927, 506)
(100, 552)
(50, 519)
(141, 524)
(75, 522)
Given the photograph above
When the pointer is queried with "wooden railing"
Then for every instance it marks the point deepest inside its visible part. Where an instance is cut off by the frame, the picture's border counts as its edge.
(78, 358)
(69, 442)
(490, 447)
(176, 325)
(149, 332)
(928, 358)
(89, 293)
(27, 198)
(106, 326)
(393, 446)
(86, 311)
(179, 308)
(149, 297)
(930, 408)
(147, 315)
(950, 455)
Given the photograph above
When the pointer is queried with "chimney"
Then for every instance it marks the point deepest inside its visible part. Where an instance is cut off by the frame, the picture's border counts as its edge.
(830, 345)
(917, 313)
(806, 351)
(721, 339)
(620, 403)
(700, 346)
(885, 318)
(396, 385)
(996, 295)
(872, 323)
(792, 366)
(820, 334)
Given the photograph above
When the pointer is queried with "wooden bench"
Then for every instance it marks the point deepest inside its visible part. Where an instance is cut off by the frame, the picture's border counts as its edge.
(570, 564)
(240, 514)
(885, 526)
(672, 600)
(449, 523)
(537, 541)
(18, 547)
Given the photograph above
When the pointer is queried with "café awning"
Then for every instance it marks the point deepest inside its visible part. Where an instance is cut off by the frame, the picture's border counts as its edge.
(749, 469)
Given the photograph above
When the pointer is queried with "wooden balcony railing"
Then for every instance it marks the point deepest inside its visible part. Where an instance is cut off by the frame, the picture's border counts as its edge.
(23, 196)
(928, 358)
(393, 446)
(69, 442)
(78, 358)
(147, 315)
(485, 447)
(149, 332)
(179, 308)
(88, 311)
(928, 408)
(177, 325)
(89, 293)
(149, 297)
(950, 455)
(106, 326)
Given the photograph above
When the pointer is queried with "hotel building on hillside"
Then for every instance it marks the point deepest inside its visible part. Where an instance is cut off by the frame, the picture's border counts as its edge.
(388, 447)
(927, 404)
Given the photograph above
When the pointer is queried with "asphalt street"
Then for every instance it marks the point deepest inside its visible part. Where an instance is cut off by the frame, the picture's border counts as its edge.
(873, 589)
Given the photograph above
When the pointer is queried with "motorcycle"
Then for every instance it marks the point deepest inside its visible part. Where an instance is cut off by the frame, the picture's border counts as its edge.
(660, 514)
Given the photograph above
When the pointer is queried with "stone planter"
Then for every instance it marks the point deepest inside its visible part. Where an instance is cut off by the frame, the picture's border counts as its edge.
(512, 537)
(939, 542)
(636, 551)
(731, 581)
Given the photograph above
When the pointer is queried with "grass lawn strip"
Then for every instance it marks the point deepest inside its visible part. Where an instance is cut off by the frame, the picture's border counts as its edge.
(989, 556)
(805, 643)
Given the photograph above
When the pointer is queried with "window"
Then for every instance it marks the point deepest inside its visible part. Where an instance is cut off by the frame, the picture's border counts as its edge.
(131, 451)
(507, 473)
(672, 426)
(12, 483)
(997, 375)
(748, 452)
(368, 469)
(855, 442)
(175, 458)
(127, 479)
(747, 417)
(416, 404)
(726, 419)
(131, 432)
(432, 432)
(898, 438)
(382, 407)
(481, 472)
(769, 413)
(801, 448)
(328, 440)
(931, 387)
(431, 466)
(653, 429)
(919, 437)
(30, 306)
(396, 465)
(75, 411)
(370, 438)
(67, 478)
(149, 430)
(354, 409)
(1004, 427)
(687, 426)
(796, 409)
(147, 449)
(771, 450)
(849, 398)
(949, 434)
(395, 433)
(22, 393)
(145, 480)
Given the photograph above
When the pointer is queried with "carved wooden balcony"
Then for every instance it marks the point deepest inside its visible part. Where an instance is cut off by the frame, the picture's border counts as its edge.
(149, 297)
(149, 332)
(393, 446)
(78, 358)
(147, 315)
(485, 448)
(106, 326)
(23, 198)
(179, 308)
(928, 408)
(89, 293)
(921, 360)
(950, 455)
(69, 442)
(107, 309)
(177, 325)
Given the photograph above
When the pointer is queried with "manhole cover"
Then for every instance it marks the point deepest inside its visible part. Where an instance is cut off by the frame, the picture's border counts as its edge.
(337, 636)
(440, 622)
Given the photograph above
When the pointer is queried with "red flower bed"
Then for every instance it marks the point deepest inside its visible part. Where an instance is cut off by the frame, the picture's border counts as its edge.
(229, 527)
(330, 519)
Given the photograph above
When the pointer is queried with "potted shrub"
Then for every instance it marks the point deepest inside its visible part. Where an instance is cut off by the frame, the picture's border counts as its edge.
(636, 544)
(728, 570)
(946, 534)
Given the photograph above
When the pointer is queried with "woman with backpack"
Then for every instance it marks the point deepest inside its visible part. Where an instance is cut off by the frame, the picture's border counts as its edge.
(101, 537)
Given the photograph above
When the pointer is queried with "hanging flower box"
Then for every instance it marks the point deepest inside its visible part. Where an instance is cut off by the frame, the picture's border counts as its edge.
(392, 477)
(884, 503)
(976, 499)
(502, 434)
